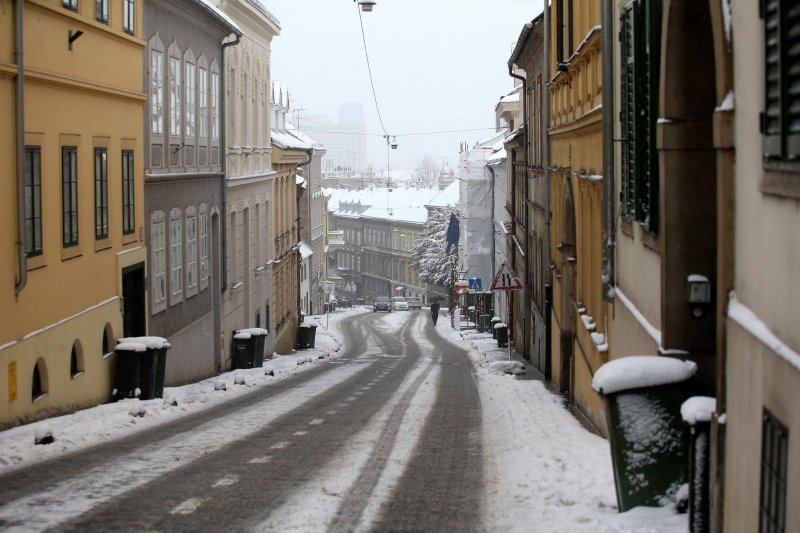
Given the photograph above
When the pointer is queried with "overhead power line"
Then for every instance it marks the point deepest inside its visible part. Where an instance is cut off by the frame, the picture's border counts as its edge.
(440, 132)
(369, 69)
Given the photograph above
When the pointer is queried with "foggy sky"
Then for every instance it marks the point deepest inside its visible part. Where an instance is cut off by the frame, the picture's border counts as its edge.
(437, 65)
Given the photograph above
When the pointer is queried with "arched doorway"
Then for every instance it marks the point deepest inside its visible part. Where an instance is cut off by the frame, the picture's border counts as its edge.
(568, 251)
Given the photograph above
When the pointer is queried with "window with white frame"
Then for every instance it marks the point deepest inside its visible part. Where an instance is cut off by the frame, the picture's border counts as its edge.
(176, 256)
(174, 96)
(202, 122)
(214, 105)
(190, 99)
(158, 261)
(101, 11)
(157, 91)
(191, 251)
(202, 223)
(128, 16)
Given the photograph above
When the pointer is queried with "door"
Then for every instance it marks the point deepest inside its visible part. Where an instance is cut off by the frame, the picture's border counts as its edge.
(133, 309)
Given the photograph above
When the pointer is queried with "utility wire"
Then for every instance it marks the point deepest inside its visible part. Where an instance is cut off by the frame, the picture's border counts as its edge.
(369, 69)
(398, 135)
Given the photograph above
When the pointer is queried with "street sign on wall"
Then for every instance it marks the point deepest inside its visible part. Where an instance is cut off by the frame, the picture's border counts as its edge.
(506, 279)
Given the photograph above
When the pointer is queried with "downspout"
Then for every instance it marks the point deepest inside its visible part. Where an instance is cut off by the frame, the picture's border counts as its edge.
(525, 212)
(22, 256)
(310, 153)
(546, 164)
(608, 148)
(224, 162)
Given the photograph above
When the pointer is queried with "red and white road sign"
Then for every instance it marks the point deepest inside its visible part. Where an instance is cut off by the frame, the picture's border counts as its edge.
(506, 279)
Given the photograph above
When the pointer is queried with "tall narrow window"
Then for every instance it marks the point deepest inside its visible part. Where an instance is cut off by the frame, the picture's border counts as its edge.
(202, 122)
(203, 226)
(191, 252)
(157, 91)
(33, 201)
(189, 100)
(100, 193)
(70, 4)
(176, 255)
(69, 194)
(128, 16)
(158, 268)
(102, 11)
(780, 121)
(774, 470)
(174, 96)
(214, 105)
(128, 194)
(640, 44)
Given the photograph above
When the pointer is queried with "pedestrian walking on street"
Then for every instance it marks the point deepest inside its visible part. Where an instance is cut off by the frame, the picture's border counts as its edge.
(435, 312)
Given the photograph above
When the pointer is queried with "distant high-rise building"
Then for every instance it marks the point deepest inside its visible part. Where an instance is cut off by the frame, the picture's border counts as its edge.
(345, 139)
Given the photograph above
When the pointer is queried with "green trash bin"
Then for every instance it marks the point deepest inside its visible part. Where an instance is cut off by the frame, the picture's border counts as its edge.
(697, 412)
(649, 442)
(140, 368)
(485, 323)
(501, 334)
(306, 335)
(495, 320)
(258, 337)
(243, 349)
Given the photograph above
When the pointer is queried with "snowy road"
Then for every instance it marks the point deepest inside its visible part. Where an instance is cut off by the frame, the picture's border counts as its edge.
(411, 427)
(256, 462)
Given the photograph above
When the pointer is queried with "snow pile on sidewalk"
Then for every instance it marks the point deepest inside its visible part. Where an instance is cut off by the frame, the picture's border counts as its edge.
(549, 473)
(109, 421)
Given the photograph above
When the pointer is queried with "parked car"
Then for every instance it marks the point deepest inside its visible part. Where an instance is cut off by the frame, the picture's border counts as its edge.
(414, 302)
(382, 303)
(399, 304)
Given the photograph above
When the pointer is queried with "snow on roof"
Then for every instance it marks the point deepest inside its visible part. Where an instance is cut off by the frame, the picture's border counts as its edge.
(286, 140)
(301, 181)
(258, 4)
(497, 157)
(510, 98)
(221, 15)
(488, 142)
(141, 344)
(446, 197)
(305, 250)
(417, 215)
(641, 371)
(513, 135)
(698, 409)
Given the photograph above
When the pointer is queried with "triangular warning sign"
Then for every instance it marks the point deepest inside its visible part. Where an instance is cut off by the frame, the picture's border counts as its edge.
(506, 279)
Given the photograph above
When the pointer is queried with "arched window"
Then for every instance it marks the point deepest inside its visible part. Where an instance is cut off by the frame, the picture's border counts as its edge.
(108, 335)
(76, 360)
(39, 381)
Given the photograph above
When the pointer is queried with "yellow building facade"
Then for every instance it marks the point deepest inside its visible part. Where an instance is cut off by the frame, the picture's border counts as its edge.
(580, 325)
(84, 253)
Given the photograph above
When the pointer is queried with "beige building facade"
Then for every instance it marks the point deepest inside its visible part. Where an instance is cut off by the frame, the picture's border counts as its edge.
(249, 212)
(81, 175)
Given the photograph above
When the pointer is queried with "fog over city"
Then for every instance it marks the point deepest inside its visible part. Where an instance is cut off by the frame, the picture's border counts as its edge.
(438, 65)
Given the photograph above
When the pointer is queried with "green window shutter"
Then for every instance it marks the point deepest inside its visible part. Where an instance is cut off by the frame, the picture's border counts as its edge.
(650, 24)
(790, 72)
(628, 111)
(771, 118)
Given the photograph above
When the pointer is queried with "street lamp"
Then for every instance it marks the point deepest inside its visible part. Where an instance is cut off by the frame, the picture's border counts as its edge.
(366, 5)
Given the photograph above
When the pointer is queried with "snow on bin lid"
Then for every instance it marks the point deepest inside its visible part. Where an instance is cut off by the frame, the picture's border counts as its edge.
(310, 323)
(698, 409)
(249, 332)
(499, 325)
(639, 371)
(141, 344)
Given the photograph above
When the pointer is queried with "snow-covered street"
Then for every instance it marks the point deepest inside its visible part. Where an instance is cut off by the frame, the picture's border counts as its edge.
(389, 423)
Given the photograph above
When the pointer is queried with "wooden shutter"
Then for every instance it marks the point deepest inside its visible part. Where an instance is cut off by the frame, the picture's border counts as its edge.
(628, 112)
(790, 72)
(771, 117)
(649, 46)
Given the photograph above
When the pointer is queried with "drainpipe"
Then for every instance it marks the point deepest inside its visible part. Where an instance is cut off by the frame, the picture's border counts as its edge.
(310, 153)
(546, 164)
(224, 162)
(608, 147)
(19, 7)
(525, 177)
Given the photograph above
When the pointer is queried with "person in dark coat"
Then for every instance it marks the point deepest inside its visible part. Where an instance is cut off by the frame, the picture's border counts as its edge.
(435, 312)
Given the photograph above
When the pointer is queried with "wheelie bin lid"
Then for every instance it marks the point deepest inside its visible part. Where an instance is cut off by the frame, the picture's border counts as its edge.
(639, 371)
(141, 344)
